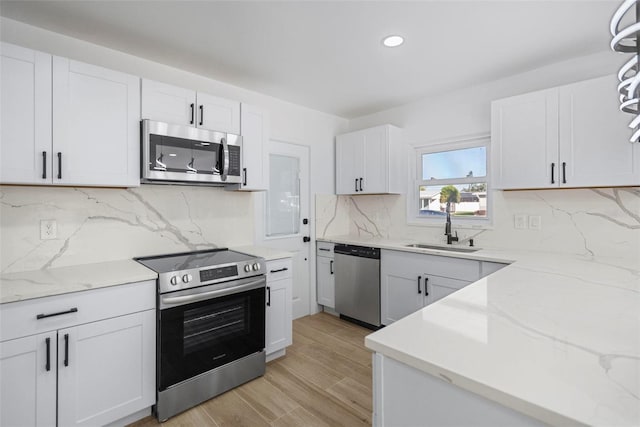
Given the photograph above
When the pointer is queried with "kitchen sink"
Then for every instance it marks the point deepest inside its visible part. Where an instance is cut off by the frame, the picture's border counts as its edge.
(441, 248)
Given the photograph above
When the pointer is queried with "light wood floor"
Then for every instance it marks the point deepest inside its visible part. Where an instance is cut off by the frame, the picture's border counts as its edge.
(324, 380)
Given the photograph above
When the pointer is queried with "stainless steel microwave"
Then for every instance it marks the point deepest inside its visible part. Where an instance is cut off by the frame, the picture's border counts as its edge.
(186, 155)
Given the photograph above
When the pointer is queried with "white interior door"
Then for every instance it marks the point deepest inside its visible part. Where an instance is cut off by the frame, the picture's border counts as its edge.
(286, 207)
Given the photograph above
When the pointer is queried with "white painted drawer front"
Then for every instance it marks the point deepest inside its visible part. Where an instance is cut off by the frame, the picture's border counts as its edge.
(19, 319)
(324, 249)
(278, 269)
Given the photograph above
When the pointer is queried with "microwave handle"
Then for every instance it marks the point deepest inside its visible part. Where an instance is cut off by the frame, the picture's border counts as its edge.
(225, 162)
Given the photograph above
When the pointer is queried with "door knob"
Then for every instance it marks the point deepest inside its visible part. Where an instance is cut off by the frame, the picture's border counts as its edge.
(306, 239)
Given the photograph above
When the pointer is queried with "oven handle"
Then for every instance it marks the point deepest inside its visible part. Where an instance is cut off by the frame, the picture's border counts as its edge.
(186, 299)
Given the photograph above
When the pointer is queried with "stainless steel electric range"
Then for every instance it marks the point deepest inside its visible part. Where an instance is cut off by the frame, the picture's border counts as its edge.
(210, 325)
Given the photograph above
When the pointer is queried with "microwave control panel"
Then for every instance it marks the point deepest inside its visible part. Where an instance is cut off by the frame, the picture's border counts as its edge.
(234, 160)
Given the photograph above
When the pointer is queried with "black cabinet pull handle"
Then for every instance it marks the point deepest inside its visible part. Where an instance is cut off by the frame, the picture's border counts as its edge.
(553, 166)
(419, 290)
(269, 296)
(426, 290)
(331, 266)
(193, 111)
(60, 313)
(48, 364)
(279, 270)
(355, 185)
(324, 249)
(201, 115)
(564, 172)
(244, 181)
(66, 349)
(360, 184)
(44, 165)
(59, 165)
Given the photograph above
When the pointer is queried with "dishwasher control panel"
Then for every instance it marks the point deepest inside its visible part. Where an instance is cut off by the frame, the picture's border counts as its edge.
(359, 251)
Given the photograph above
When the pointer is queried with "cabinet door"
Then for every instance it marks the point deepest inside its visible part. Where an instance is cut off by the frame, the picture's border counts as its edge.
(219, 114)
(28, 386)
(25, 123)
(594, 136)
(401, 285)
(167, 103)
(279, 318)
(524, 133)
(376, 161)
(325, 282)
(110, 370)
(96, 129)
(349, 163)
(254, 127)
(439, 287)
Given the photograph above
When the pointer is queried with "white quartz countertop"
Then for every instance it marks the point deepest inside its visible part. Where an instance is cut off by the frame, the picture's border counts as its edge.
(554, 336)
(269, 254)
(55, 281)
(26, 285)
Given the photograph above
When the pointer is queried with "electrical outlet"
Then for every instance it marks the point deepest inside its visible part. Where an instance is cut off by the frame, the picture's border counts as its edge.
(520, 221)
(535, 222)
(48, 229)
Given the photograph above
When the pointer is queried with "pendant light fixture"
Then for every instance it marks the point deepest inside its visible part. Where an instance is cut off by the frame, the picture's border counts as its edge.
(627, 40)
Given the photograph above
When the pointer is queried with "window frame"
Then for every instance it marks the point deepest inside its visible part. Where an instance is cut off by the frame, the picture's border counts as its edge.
(415, 181)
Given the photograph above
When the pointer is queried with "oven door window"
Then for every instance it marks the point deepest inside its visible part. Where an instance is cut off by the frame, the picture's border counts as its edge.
(198, 337)
(170, 154)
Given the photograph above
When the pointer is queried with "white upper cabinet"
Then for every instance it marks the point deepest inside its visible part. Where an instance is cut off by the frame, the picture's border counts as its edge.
(570, 136)
(371, 161)
(172, 104)
(215, 113)
(594, 136)
(96, 130)
(67, 123)
(25, 123)
(254, 128)
(166, 103)
(525, 140)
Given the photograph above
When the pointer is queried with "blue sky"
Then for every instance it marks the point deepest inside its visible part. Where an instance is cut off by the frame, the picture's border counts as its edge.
(455, 164)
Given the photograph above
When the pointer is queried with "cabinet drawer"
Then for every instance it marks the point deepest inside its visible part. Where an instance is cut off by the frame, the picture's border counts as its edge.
(19, 319)
(279, 269)
(324, 249)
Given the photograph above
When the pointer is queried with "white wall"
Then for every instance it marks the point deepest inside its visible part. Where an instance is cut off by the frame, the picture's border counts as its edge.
(80, 228)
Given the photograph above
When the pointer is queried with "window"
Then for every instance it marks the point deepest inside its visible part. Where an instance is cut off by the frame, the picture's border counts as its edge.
(451, 178)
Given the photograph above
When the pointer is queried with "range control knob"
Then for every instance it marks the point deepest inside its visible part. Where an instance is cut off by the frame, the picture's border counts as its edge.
(247, 268)
(187, 278)
(256, 266)
(174, 280)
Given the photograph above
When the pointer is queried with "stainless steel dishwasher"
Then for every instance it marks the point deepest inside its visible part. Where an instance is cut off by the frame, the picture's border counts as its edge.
(357, 283)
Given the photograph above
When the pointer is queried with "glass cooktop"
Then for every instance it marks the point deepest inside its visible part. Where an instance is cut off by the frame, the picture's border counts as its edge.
(197, 259)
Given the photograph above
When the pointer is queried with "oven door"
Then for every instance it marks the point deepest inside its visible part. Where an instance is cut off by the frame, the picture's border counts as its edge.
(210, 328)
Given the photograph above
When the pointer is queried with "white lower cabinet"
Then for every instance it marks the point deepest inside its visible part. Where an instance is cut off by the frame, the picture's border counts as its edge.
(410, 281)
(92, 373)
(108, 375)
(28, 382)
(325, 278)
(279, 316)
(407, 397)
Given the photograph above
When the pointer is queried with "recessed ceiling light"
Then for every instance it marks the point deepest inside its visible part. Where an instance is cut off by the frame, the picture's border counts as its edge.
(393, 41)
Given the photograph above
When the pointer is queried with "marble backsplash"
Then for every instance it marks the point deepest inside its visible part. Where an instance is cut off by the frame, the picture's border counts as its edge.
(105, 224)
(602, 222)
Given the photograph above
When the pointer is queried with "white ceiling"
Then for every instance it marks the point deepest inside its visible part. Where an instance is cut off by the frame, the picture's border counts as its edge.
(328, 55)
